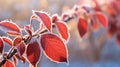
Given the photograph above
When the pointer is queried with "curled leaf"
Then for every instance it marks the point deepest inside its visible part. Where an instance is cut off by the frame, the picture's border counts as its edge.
(33, 52)
(10, 28)
(45, 19)
(82, 27)
(54, 48)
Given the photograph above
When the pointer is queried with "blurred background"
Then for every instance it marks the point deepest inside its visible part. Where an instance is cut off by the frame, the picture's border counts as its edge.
(97, 50)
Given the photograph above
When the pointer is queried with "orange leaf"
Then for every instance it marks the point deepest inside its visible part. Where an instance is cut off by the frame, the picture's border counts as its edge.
(17, 41)
(8, 63)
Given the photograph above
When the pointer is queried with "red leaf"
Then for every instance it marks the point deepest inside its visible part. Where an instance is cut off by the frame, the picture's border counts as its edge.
(5, 54)
(110, 10)
(118, 39)
(65, 17)
(97, 7)
(54, 18)
(21, 48)
(8, 63)
(1, 45)
(82, 27)
(22, 58)
(112, 29)
(17, 41)
(63, 29)
(54, 48)
(10, 28)
(102, 19)
(15, 60)
(7, 40)
(45, 19)
(116, 5)
(28, 29)
(33, 52)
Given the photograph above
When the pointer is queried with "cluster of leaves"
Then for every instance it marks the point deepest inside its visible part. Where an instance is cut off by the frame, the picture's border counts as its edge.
(88, 17)
(28, 47)
(112, 10)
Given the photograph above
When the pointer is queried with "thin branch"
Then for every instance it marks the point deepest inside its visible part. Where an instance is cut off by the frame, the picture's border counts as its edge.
(11, 53)
(27, 40)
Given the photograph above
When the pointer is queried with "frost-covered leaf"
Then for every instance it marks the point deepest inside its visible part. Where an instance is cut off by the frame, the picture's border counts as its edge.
(15, 60)
(33, 52)
(10, 28)
(27, 29)
(22, 58)
(8, 63)
(21, 48)
(63, 29)
(17, 41)
(44, 17)
(54, 48)
(55, 18)
(8, 41)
